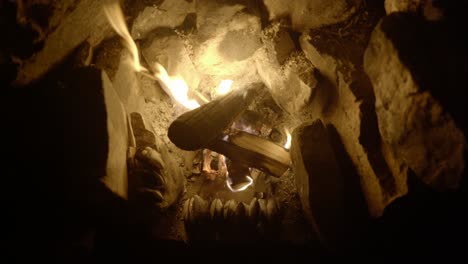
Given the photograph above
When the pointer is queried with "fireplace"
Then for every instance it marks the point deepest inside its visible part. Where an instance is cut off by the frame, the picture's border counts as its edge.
(237, 121)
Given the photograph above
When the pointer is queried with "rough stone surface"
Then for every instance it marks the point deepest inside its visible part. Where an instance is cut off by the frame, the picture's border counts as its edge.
(116, 177)
(345, 99)
(288, 74)
(411, 121)
(170, 51)
(291, 85)
(126, 84)
(423, 7)
(156, 179)
(278, 41)
(402, 5)
(227, 40)
(169, 14)
(307, 14)
(329, 194)
(85, 22)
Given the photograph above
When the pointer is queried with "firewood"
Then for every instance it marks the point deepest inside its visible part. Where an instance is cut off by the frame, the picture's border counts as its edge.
(254, 151)
(196, 129)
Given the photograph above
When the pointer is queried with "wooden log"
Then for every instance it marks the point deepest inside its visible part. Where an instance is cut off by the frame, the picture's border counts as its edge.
(254, 151)
(196, 129)
(261, 145)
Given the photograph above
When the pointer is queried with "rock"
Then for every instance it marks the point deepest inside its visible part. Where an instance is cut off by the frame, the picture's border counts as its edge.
(227, 40)
(288, 74)
(402, 6)
(331, 197)
(254, 210)
(216, 210)
(116, 167)
(411, 121)
(291, 85)
(154, 168)
(240, 214)
(263, 210)
(95, 137)
(196, 170)
(169, 14)
(319, 181)
(272, 211)
(280, 44)
(306, 14)
(425, 8)
(187, 209)
(229, 210)
(169, 51)
(325, 63)
(127, 84)
(200, 209)
(85, 22)
(345, 99)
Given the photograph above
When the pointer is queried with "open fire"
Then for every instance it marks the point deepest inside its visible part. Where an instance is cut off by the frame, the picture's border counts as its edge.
(178, 90)
(233, 120)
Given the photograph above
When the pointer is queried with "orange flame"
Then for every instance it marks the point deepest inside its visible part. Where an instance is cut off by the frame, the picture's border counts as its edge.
(116, 19)
(175, 87)
(287, 145)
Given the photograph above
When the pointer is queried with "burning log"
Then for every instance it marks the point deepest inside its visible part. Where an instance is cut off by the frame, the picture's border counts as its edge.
(254, 151)
(205, 126)
(196, 129)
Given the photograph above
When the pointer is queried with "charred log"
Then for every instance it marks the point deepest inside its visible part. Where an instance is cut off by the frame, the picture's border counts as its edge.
(196, 129)
(255, 152)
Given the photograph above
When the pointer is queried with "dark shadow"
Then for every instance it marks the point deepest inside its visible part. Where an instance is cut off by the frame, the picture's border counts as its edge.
(423, 223)
(57, 145)
(326, 94)
(436, 55)
(371, 141)
(356, 213)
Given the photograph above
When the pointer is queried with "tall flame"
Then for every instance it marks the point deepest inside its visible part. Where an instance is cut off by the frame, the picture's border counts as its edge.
(116, 19)
(287, 145)
(176, 87)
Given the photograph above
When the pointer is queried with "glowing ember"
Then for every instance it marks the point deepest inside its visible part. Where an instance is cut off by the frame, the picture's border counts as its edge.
(287, 145)
(210, 173)
(240, 187)
(116, 19)
(224, 87)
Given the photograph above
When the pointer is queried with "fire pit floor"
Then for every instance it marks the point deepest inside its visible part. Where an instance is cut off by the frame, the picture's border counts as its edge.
(289, 222)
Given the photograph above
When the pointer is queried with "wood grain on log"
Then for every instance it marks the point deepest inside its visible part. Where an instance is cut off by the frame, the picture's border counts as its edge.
(254, 151)
(196, 129)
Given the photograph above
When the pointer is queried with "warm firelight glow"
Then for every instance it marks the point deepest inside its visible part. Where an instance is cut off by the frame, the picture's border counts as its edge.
(287, 145)
(224, 87)
(241, 188)
(116, 19)
(175, 87)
